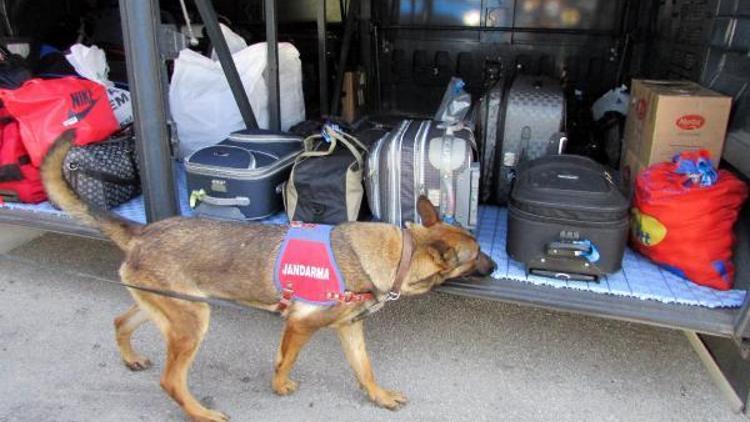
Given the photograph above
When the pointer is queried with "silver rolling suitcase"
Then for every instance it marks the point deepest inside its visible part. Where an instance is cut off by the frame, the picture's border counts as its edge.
(423, 157)
(490, 123)
(534, 123)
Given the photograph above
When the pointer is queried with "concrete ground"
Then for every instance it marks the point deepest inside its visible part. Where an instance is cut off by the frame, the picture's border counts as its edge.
(456, 359)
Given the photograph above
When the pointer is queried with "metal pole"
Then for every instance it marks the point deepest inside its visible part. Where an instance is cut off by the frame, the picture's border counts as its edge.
(208, 15)
(351, 18)
(272, 66)
(139, 22)
(322, 60)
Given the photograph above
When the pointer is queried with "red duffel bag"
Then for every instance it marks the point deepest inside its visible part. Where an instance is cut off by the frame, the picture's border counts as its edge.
(19, 179)
(44, 108)
(683, 218)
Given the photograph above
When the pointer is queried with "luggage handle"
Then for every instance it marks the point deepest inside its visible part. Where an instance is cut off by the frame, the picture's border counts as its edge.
(350, 142)
(582, 249)
(100, 175)
(201, 196)
(567, 249)
(237, 201)
(565, 276)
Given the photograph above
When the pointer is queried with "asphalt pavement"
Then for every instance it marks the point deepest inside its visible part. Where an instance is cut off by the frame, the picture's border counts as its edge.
(456, 359)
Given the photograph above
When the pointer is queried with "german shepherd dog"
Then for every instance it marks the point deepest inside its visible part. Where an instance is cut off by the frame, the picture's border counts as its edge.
(214, 259)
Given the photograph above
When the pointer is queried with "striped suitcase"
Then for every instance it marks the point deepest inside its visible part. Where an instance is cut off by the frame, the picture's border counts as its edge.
(423, 157)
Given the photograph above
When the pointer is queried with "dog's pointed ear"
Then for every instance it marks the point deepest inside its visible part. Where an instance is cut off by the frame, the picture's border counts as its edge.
(443, 255)
(427, 212)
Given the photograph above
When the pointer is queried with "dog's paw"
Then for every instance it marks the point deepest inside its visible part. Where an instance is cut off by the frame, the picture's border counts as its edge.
(284, 387)
(138, 364)
(210, 416)
(389, 399)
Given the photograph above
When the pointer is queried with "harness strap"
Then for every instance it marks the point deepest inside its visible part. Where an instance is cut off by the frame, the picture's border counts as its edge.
(286, 298)
(348, 297)
(345, 298)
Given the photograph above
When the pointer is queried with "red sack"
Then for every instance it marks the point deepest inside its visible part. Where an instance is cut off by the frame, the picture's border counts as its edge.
(19, 179)
(44, 108)
(683, 216)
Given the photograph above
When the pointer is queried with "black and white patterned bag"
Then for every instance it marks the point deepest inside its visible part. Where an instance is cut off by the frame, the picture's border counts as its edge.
(105, 174)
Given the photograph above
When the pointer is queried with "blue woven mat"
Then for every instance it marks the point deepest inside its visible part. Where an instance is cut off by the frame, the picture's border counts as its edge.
(134, 209)
(638, 278)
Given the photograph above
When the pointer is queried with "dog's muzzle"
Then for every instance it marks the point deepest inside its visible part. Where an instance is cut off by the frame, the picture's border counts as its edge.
(485, 265)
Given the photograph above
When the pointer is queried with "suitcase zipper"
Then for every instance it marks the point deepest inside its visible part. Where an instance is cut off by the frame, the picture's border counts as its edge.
(397, 179)
(263, 138)
(246, 174)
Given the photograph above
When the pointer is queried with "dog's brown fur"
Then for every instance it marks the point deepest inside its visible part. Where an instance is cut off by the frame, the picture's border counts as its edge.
(209, 258)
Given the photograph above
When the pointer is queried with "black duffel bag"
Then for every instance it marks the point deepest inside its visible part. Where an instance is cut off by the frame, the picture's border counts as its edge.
(105, 174)
(325, 185)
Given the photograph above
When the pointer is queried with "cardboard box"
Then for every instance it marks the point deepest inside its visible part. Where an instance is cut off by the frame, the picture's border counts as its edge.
(630, 166)
(352, 97)
(668, 117)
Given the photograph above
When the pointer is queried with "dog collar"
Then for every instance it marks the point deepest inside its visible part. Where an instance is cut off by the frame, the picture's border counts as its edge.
(407, 250)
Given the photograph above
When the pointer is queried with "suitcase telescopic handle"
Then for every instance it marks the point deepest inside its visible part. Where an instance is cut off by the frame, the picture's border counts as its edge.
(201, 196)
(237, 201)
(568, 249)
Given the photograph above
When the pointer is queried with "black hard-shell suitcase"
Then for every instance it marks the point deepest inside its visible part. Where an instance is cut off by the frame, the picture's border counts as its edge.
(241, 178)
(567, 218)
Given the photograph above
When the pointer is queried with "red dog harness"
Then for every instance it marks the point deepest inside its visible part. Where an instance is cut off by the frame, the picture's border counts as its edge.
(306, 269)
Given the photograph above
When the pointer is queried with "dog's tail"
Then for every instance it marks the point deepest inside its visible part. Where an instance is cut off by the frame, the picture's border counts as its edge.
(59, 192)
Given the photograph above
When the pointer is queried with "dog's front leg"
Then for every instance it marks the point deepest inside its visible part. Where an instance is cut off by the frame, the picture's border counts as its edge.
(296, 335)
(352, 338)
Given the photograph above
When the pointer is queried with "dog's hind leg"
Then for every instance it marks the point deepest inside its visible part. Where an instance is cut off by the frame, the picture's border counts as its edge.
(125, 325)
(183, 325)
(296, 335)
(352, 338)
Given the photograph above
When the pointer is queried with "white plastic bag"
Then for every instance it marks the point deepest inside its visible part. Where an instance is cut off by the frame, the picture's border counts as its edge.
(455, 104)
(235, 42)
(617, 99)
(202, 104)
(90, 62)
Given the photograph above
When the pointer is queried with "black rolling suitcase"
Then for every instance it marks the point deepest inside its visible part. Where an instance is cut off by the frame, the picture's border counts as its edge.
(567, 218)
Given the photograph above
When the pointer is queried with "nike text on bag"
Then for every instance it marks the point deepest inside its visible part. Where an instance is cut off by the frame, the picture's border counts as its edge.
(45, 108)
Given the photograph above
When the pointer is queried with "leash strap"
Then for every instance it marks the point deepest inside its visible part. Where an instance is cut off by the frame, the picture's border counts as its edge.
(167, 293)
(286, 297)
(348, 297)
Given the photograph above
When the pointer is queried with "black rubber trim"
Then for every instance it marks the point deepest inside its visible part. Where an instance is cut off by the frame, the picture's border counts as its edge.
(719, 321)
